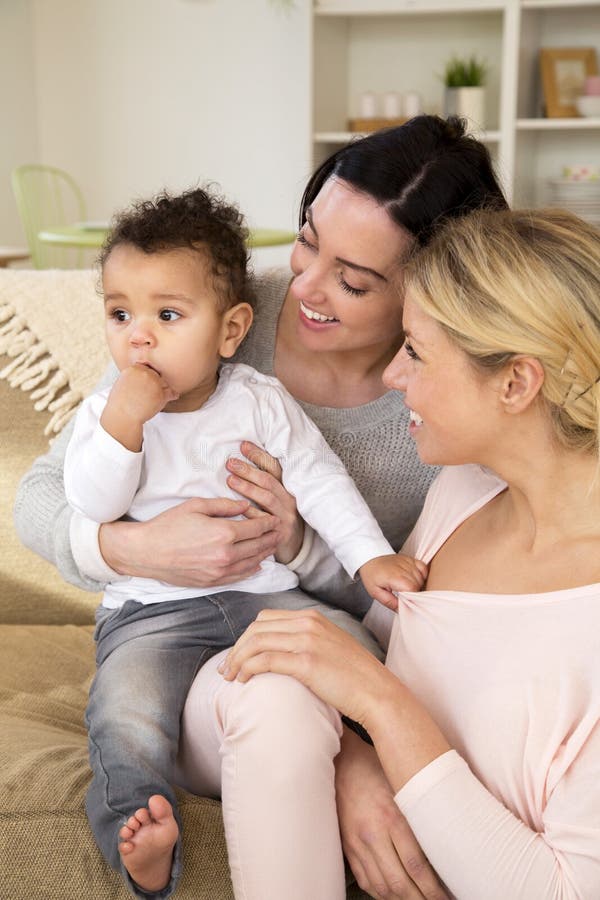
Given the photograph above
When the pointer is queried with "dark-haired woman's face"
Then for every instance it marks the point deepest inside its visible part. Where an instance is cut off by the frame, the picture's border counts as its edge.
(346, 261)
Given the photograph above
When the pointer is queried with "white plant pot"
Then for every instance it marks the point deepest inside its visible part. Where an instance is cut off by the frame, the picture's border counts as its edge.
(468, 103)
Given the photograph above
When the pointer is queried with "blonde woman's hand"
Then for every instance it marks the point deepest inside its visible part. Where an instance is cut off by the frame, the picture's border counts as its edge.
(259, 480)
(310, 648)
(378, 842)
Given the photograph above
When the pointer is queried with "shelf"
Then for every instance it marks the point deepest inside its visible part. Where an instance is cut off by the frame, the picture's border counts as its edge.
(556, 4)
(335, 137)
(407, 7)
(558, 124)
(424, 7)
(396, 45)
(342, 137)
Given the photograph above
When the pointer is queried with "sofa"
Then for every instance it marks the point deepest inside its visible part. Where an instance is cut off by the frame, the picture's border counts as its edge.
(51, 354)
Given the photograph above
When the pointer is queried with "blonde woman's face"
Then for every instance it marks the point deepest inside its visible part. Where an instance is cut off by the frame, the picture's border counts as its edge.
(456, 416)
(346, 262)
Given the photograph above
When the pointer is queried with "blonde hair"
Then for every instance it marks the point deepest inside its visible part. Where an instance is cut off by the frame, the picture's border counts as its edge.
(503, 283)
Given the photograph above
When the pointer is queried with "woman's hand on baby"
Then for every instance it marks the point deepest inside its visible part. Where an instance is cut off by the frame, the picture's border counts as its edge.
(259, 480)
(197, 543)
(378, 843)
(385, 574)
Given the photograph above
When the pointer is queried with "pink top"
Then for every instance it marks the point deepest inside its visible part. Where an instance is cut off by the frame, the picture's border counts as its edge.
(513, 681)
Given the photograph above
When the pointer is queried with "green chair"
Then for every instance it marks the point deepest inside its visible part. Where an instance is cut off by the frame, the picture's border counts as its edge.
(48, 197)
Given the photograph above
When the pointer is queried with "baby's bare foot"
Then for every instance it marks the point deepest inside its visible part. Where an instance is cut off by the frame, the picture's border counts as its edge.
(147, 842)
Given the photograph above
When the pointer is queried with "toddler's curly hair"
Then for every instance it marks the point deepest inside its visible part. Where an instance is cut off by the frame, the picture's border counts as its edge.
(199, 219)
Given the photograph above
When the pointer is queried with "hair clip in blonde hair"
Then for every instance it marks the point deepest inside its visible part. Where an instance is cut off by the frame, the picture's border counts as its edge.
(588, 388)
(574, 379)
(563, 402)
(564, 366)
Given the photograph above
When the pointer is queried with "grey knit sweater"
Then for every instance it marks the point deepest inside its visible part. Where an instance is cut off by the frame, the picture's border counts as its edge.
(372, 440)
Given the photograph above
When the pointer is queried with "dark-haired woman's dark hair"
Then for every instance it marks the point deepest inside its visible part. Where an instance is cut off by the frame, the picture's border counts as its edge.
(422, 172)
(198, 219)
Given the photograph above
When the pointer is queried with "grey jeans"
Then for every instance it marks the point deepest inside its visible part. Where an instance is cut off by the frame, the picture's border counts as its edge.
(147, 656)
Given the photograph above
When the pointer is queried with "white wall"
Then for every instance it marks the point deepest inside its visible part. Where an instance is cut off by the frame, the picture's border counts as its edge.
(18, 126)
(134, 95)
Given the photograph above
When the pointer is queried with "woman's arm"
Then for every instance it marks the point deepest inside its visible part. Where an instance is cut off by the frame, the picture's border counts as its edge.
(378, 843)
(301, 548)
(43, 517)
(341, 672)
(193, 544)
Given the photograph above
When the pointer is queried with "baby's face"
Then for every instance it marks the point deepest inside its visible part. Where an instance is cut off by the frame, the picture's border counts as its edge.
(162, 311)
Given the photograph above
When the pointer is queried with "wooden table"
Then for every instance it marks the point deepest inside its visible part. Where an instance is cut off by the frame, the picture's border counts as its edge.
(12, 254)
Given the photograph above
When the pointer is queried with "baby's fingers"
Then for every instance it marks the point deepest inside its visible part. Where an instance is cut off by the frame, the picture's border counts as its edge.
(385, 597)
(408, 574)
(406, 581)
(170, 395)
(422, 567)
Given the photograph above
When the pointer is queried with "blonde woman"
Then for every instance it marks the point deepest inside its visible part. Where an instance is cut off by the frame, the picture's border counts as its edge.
(485, 719)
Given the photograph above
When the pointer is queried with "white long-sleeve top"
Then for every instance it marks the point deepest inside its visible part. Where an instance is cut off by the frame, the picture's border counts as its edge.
(513, 681)
(183, 455)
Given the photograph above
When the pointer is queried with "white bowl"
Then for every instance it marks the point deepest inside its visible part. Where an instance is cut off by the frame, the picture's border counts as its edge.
(588, 105)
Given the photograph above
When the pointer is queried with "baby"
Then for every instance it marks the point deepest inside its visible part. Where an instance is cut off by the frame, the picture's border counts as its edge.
(178, 301)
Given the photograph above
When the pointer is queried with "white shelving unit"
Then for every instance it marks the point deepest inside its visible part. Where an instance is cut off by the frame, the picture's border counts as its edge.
(403, 45)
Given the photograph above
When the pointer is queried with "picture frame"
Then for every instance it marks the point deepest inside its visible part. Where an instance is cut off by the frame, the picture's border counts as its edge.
(563, 71)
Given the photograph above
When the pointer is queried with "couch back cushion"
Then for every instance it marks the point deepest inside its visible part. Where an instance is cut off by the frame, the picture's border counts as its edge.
(31, 590)
(52, 353)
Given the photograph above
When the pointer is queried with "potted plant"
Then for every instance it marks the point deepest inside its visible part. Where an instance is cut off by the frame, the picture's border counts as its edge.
(464, 81)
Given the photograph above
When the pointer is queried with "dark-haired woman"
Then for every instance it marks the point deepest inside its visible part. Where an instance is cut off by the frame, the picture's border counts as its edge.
(327, 334)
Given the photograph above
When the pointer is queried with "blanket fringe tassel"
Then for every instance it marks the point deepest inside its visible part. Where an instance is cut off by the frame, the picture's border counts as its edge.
(33, 366)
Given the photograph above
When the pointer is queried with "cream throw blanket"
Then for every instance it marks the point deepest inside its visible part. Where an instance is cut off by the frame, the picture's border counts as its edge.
(52, 325)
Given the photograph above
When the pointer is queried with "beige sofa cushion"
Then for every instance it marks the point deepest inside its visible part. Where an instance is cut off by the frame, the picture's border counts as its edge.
(52, 353)
(31, 590)
(47, 851)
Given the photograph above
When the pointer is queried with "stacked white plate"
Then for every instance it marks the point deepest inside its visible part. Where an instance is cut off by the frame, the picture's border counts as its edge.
(580, 197)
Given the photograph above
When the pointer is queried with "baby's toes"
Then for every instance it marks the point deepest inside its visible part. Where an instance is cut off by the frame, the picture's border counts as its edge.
(133, 824)
(126, 833)
(142, 817)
